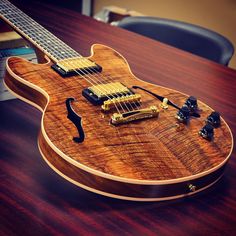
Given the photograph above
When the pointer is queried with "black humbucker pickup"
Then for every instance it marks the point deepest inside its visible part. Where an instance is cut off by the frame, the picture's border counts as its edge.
(93, 98)
(96, 100)
(78, 71)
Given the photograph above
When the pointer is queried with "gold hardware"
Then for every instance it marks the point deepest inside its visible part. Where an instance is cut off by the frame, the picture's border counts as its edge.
(164, 104)
(192, 188)
(108, 104)
(102, 90)
(150, 112)
(76, 63)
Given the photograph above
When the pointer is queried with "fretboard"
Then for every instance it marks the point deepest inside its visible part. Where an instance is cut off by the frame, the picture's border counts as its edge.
(41, 38)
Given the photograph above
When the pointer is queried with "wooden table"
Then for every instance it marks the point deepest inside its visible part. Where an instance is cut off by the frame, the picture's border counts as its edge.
(36, 201)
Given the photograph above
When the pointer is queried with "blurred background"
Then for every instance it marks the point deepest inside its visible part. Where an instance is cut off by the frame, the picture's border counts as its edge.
(219, 16)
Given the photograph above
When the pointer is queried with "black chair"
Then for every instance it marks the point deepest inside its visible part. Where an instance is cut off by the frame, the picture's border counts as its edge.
(188, 37)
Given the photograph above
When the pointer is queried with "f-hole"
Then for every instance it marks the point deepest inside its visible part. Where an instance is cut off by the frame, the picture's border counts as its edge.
(76, 120)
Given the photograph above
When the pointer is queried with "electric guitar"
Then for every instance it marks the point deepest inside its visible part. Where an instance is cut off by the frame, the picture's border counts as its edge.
(109, 132)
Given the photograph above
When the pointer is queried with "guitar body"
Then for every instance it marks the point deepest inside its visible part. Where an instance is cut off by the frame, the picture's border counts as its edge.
(145, 160)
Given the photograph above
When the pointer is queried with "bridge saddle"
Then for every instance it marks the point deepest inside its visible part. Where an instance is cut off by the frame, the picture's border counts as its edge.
(110, 103)
(121, 118)
(110, 95)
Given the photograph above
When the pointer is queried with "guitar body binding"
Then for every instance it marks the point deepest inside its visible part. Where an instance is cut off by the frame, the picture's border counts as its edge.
(144, 160)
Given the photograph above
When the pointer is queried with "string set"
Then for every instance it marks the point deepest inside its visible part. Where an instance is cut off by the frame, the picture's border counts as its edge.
(91, 75)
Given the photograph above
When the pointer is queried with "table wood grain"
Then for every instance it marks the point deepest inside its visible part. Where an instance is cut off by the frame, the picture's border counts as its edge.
(36, 201)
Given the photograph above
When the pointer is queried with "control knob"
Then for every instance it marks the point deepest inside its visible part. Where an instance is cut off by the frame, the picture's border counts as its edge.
(191, 103)
(214, 119)
(183, 114)
(207, 132)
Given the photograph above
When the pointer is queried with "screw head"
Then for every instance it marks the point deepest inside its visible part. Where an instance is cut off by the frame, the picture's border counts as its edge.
(192, 188)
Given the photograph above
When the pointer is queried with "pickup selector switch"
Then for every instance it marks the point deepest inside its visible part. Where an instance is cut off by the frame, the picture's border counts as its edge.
(214, 119)
(191, 103)
(207, 132)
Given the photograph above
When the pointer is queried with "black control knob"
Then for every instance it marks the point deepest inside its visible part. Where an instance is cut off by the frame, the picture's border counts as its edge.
(191, 103)
(214, 119)
(183, 114)
(207, 132)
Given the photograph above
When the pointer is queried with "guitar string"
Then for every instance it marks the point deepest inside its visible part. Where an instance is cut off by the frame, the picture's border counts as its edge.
(80, 56)
(81, 74)
(100, 83)
(135, 102)
(92, 70)
(86, 79)
(107, 78)
(100, 88)
(21, 17)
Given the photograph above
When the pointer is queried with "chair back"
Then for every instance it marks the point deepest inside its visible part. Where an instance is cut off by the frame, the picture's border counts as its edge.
(192, 38)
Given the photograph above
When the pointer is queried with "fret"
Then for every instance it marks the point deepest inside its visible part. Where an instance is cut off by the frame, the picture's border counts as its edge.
(41, 37)
(6, 2)
(11, 16)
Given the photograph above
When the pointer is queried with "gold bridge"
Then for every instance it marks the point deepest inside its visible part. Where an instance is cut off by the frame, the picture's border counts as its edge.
(126, 117)
(117, 95)
(110, 103)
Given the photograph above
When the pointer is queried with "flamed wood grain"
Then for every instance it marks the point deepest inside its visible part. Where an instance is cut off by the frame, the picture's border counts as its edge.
(147, 150)
(128, 191)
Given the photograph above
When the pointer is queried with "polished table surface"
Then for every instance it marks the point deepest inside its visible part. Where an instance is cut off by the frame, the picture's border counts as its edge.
(36, 201)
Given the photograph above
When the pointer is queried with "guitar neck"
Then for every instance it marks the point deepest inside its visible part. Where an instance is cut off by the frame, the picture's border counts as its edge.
(36, 34)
